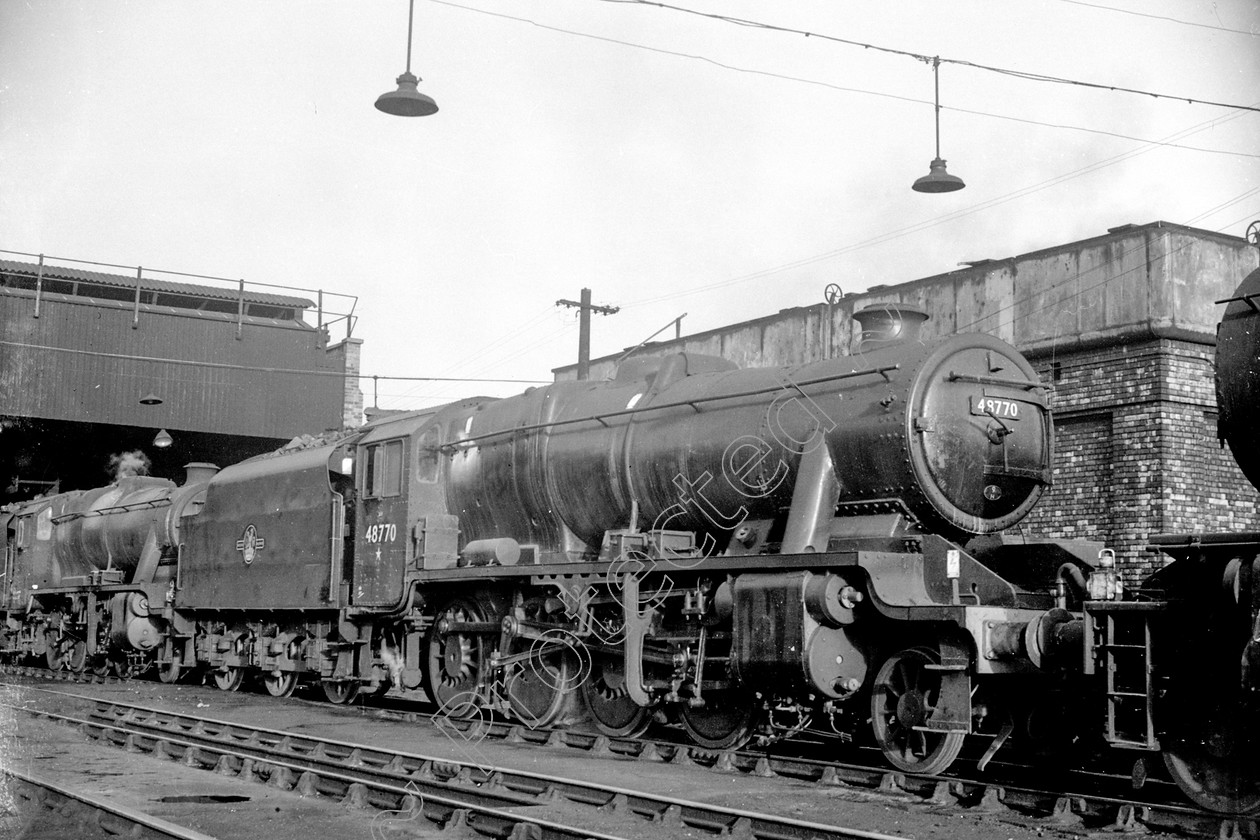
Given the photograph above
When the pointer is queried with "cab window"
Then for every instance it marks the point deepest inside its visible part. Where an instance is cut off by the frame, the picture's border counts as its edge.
(384, 469)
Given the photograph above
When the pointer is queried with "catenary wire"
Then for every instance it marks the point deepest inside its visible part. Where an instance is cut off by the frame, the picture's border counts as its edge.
(1161, 17)
(928, 223)
(23, 345)
(1020, 74)
(841, 88)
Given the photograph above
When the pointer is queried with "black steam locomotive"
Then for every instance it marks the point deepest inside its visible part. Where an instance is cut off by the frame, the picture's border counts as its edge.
(747, 552)
(1179, 660)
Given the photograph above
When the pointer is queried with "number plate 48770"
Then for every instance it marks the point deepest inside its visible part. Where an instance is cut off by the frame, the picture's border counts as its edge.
(994, 407)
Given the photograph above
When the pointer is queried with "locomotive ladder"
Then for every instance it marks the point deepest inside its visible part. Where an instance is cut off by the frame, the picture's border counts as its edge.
(1119, 641)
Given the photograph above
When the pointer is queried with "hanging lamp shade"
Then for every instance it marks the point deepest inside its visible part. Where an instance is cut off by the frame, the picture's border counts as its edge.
(150, 399)
(937, 180)
(163, 439)
(406, 101)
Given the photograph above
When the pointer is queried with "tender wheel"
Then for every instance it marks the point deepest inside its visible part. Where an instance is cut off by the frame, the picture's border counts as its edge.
(229, 679)
(55, 652)
(281, 686)
(455, 660)
(339, 692)
(724, 722)
(539, 689)
(76, 656)
(609, 704)
(905, 695)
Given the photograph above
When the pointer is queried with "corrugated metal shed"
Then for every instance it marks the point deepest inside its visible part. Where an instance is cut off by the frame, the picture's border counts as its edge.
(87, 359)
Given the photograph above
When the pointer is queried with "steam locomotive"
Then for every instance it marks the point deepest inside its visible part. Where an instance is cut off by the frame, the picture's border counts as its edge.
(750, 553)
(1178, 658)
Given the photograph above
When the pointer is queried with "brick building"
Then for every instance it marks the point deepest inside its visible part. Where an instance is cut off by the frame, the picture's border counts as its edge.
(1123, 325)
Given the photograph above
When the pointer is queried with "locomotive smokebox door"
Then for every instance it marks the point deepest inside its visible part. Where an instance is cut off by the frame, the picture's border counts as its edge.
(381, 523)
(981, 435)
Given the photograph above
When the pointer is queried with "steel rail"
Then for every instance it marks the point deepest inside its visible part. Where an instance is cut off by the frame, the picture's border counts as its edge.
(472, 778)
(99, 814)
(331, 766)
(351, 785)
(1059, 807)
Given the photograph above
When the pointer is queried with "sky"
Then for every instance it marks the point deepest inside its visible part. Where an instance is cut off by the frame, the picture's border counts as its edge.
(672, 162)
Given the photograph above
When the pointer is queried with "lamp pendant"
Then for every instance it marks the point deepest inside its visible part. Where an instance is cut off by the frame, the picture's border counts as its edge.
(937, 180)
(407, 101)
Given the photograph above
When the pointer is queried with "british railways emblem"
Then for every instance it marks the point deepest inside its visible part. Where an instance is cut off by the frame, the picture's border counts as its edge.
(250, 544)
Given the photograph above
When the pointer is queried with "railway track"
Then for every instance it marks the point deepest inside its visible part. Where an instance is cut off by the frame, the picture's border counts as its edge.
(39, 801)
(1083, 808)
(1086, 809)
(413, 787)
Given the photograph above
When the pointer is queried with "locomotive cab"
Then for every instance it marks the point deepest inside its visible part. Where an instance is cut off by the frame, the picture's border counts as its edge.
(400, 522)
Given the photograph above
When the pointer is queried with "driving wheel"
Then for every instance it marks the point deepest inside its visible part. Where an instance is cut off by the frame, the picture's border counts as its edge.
(905, 695)
(611, 709)
(455, 660)
(539, 688)
(724, 722)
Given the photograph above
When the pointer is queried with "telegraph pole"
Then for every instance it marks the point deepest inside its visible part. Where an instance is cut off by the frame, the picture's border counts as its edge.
(585, 308)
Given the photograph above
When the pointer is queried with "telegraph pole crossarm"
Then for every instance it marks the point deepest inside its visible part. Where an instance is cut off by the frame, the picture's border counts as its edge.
(585, 308)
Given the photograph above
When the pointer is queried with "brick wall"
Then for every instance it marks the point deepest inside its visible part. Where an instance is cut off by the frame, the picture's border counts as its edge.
(1136, 451)
(349, 352)
(1079, 502)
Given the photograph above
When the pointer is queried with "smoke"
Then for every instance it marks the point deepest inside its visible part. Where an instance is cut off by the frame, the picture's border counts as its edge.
(127, 464)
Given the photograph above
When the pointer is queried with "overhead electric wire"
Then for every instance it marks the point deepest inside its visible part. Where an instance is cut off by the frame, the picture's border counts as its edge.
(463, 363)
(1161, 17)
(842, 88)
(1021, 74)
(1212, 211)
(23, 345)
(929, 223)
(515, 353)
(520, 351)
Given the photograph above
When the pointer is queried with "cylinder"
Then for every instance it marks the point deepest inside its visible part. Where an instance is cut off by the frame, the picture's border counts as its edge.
(497, 552)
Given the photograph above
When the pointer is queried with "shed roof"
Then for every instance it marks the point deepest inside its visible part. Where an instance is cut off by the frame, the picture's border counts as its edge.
(79, 275)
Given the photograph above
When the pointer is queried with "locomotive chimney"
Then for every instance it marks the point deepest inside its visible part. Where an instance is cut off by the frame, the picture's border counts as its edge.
(199, 471)
(888, 323)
